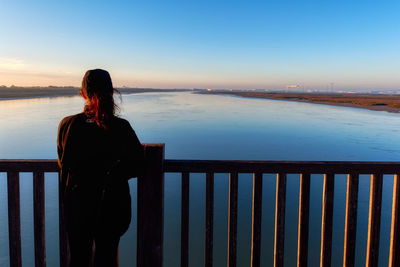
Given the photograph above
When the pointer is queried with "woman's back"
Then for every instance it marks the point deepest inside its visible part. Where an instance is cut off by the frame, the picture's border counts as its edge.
(97, 153)
(89, 149)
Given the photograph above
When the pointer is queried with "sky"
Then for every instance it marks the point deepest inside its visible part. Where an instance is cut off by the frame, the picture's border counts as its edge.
(320, 44)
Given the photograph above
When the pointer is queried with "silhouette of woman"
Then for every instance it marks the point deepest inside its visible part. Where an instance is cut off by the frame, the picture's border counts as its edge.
(97, 153)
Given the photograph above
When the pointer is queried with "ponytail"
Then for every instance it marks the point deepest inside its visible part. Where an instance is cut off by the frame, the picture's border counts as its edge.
(98, 88)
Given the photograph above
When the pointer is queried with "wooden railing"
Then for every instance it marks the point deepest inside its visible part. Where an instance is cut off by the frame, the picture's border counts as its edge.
(151, 207)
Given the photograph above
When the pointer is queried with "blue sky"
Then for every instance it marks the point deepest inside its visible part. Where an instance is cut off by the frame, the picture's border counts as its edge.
(203, 44)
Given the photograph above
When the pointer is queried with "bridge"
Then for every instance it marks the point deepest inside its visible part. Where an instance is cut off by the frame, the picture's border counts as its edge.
(151, 208)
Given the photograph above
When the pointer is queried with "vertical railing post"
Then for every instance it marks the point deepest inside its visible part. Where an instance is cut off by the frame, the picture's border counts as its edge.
(38, 219)
(14, 221)
(209, 237)
(232, 219)
(304, 212)
(350, 229)
(280, 204)
(256, 220)
(374, 221)
(63, 237)
(394, 257)
(185, 220)
(151, 208)
(327, 217)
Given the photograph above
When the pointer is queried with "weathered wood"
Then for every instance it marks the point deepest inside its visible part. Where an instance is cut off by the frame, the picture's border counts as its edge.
(279, 246)
(226, 166)
(304, 211)
(185, 220)
(315, 167)
(14, 220)
(394, 257)
(63, 238)
(38, 218)
(208, 259)
(327, 216)
(351, 220)
(374, 220)
(28, 165)
(151, 209)
(232, 219)
(12, 167)
(256, 220)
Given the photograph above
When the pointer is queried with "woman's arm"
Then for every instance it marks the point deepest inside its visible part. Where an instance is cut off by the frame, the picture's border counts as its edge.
(135, 154)
(130, 162)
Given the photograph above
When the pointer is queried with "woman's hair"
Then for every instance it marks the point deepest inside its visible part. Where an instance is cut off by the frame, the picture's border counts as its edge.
(98, 88)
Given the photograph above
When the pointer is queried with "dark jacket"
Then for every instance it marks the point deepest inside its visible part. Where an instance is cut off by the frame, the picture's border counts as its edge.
(95, 167)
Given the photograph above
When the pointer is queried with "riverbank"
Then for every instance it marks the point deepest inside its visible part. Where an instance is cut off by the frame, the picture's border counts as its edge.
(383, 102)
(7, 93)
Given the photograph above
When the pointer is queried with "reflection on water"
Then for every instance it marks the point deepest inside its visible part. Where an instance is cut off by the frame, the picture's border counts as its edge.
(215, 127)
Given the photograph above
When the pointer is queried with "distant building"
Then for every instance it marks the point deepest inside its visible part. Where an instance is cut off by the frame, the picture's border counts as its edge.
(292, 86)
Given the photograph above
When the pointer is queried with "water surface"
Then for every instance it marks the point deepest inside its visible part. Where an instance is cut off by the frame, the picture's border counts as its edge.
(215, 127)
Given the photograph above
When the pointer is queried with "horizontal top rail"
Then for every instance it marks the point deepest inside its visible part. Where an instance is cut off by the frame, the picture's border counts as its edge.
(249, 166)
(29, 165)
(226, 166)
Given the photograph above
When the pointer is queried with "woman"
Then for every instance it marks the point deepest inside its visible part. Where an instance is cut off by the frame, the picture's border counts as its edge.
(97, 153)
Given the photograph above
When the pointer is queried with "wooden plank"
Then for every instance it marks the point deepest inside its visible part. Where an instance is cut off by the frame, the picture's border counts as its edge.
(38, 218)
(28, 165)
(304, 211)
(394, 257)
(256, 220)
(316, 167)
(327, 216)
(151, 209)
(374, 221)
(185, 220)
(14, 220)
(226, 166)
(232, 219)
(208, 261)
(351, 220)
(279, 246)
(63, 239)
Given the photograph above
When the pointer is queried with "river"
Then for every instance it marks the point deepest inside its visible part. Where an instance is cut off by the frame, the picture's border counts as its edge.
(197, 126)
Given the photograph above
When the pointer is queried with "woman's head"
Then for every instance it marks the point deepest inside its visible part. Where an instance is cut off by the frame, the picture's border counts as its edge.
(98, 91)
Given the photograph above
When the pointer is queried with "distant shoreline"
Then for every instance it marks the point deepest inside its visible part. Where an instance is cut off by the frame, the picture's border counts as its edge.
(377, 102)
(13, 93)
(381, 102)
